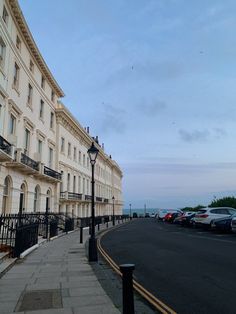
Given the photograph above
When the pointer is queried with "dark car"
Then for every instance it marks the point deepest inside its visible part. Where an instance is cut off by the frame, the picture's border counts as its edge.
(147, 215)
(222, 224)
(187, 220)
(135, 215)
(170, 217)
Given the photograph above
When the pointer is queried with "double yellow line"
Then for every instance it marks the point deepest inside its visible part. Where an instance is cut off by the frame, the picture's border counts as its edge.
(157, 304)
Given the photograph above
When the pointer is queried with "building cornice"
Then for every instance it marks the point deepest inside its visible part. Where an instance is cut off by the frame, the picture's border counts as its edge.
(21, 23)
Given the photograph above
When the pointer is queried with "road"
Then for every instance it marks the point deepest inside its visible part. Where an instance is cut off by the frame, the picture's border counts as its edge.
(190, 270)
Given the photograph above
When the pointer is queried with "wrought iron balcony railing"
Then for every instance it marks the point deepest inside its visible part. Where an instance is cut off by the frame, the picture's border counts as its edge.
(74, 196)
(5, 145)
(98, 199)
(52, 173)
(105, 200)
(88, 197)
(29, 162)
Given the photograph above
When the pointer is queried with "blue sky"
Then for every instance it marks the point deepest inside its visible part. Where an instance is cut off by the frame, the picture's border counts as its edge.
(155, 80)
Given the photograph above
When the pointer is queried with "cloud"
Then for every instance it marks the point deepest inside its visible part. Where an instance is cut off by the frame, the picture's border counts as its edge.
(219, 132)
(151, 109)
(158, 168)
(194, 136)
(113, 120)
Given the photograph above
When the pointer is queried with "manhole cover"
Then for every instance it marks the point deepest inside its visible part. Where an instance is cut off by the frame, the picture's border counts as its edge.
(39, 300)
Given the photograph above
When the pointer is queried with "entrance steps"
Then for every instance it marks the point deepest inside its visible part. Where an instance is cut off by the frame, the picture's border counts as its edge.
(6, 262)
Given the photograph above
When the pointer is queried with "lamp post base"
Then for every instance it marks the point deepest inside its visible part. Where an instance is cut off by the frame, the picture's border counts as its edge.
(93, 255)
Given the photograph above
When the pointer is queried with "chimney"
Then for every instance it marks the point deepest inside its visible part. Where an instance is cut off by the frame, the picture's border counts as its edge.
(96, 140)
(103, 146)
(88, 129)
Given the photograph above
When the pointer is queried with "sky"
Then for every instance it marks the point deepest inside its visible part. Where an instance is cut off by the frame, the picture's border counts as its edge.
(155, 80)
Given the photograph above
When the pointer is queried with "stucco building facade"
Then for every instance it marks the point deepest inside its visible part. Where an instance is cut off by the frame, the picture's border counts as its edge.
(43, 148)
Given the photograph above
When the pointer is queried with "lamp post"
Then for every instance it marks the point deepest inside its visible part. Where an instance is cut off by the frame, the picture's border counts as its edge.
(93, 256)
(130, 212)
(113, 211)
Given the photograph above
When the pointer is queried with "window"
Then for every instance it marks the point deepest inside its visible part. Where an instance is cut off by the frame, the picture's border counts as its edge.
(30, 95)
(12, 124)
(62, 144)
(5, 15)
(16, 76)
(18, 42)
(27, 141)
(31, 66)
(84, 160)
(68, 182)
(52, 120)
(40, 144)
(42, 82)
(69, 149)
(2, 52)
(41, 109)
(75, 153)
(36, 198)
(50, 159)
(52, 96)
(87, 162)
(74, 184)
(79, 157)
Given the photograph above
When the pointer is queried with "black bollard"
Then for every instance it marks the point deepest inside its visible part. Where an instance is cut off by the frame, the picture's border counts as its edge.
(127, 283)
(81, 234)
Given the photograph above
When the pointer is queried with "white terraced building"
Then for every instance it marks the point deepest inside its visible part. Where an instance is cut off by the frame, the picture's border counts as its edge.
(43, 148)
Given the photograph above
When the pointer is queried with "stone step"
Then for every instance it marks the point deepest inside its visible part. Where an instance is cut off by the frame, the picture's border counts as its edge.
(6, 264)
(3, 255)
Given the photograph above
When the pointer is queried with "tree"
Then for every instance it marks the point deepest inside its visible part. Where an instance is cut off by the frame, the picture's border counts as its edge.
(228, 201)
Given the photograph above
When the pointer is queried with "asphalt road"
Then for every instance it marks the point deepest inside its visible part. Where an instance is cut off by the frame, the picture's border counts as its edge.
(190, 270)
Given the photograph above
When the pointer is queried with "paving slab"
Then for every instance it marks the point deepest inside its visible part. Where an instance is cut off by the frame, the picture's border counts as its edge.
(60, 266)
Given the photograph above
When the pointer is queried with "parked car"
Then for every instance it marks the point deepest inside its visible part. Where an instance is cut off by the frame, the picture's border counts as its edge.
(180, 218)
(170, 217)
(187, 220)
(147, 215)
(135, 215)
(205, 216)
(233, 224)
(163, 212)
(223, 224)
(152, 215)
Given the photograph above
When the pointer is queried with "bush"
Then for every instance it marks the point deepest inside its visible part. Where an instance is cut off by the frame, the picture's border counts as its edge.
(228, 201)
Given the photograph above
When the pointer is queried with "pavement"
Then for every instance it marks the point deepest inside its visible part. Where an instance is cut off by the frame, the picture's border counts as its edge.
(56, 278)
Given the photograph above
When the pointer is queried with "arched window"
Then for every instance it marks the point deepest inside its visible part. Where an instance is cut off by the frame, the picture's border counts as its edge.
(37, 198)
(48, 200)
(22, 204)
(6, 200)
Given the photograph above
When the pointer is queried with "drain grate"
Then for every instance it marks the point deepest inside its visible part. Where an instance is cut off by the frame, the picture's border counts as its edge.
(39, 300)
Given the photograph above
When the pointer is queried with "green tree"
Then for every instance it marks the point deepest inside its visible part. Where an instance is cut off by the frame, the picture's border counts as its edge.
(228, 201)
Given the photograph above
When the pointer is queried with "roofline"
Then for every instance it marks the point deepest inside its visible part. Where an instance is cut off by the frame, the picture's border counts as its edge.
(21, 22)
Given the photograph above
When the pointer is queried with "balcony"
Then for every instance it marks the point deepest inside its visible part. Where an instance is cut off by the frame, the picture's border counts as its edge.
(98, 199)
(51, 174)
(105, 200)
(29, 162)
(24, 163)
(88, 198)
(5, 150)
(70, 196)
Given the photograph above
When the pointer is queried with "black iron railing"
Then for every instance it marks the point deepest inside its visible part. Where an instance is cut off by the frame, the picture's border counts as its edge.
(74, 196)
(63, 195)
(88, 197)
(5, 145)
(52, 173)
(26, 160)
(98, 199)
(105, 200)
(26, 236)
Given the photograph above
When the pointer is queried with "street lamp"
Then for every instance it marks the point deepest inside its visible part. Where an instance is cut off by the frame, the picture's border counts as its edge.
(93, 256)
(130, 212)
(113, 211)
